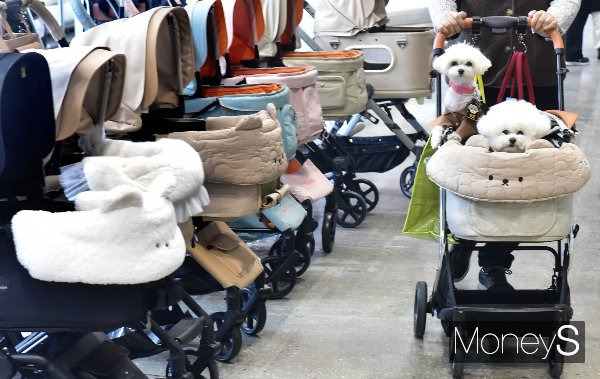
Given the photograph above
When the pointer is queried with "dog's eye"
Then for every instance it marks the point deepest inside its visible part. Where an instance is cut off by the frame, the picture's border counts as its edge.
(491, 177)
(469, 64)
(520, 133)
(520, 178)
(454, 63)
(505, 131)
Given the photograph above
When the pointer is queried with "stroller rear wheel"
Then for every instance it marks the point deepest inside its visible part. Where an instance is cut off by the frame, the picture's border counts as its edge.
(303, 261)
(556, 361)
(232, 343)
(420, 310)
(368, 190)
(407, 180)
(328, 231)
(256, 317)
(352, 209)
(282, 283)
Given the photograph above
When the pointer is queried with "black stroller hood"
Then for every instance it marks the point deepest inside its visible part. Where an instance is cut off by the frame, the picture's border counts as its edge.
(27, 130)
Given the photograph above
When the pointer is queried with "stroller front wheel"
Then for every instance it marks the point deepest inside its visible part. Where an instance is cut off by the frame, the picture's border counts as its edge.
(352, 209)
(328, 232)
(256, 317)
(282, 280)
(420, 310)
(457, 357)
(232, 343)
(407, 180)
(368, 190)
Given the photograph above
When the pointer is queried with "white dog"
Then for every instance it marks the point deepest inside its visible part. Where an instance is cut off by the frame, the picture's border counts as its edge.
(461, 63)
(512, 125)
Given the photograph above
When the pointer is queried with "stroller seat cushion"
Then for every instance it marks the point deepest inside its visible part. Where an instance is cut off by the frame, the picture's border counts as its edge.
(122, 236)
(542, 172)
(308, 183)
(245, 150)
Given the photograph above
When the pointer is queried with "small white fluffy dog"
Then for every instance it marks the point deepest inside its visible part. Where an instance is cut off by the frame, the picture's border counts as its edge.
(461, 63)
(512, 125)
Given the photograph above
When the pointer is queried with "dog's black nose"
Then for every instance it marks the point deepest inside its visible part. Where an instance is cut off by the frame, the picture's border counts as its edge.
(461, 71)
(504, 182)
(512, 141)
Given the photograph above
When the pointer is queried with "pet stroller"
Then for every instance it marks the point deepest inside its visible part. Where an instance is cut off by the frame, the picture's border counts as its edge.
(157, 91)
(63, 343)
(393, 54)
(531, 210)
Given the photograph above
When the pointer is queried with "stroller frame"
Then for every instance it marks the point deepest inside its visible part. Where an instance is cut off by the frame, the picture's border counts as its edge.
(382, 110)
(455, 307)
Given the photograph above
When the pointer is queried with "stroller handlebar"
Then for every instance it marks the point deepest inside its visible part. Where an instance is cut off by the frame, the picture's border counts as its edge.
(496, 22)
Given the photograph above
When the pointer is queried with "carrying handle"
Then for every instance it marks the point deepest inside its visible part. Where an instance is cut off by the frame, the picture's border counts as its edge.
(44, 14)
(496, 22)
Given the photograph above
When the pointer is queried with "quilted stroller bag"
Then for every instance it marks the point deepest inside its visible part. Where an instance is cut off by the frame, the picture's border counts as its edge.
(496, 196)
(248, 99)
(160, 60)
(340, 83)
(225, 257)
(397, 58)
(304, 97)
(243, 158)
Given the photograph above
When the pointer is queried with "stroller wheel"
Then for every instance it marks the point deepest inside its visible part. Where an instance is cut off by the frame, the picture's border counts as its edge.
(302, 262)
(420, 310)
(232, 343)
(368, 190)
(209, 370)
(352, 209)
(556, 362)
(458, 359)
(407, 180)
(328, 232)
(256, 317)
(282, 282)
(310, 244)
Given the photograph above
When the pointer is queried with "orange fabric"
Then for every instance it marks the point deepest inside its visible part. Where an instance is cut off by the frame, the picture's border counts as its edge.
(241, 90)
(274, 70)
(568, 118)
(293, 166)
(324, 54)
(298, 13)
(221, 27)
(260, 20)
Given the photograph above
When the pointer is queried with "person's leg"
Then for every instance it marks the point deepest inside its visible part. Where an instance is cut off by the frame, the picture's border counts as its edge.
(495, 260)
(460, 257)
(574, 36)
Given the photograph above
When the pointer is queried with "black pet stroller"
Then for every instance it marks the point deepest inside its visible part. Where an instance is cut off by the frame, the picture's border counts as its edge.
(55, 329)
(460, 311)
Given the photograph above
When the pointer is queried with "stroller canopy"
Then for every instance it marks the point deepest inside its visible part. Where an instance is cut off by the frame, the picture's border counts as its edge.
(245, 27)
(26, 123)
(281, 19)
(348, 17)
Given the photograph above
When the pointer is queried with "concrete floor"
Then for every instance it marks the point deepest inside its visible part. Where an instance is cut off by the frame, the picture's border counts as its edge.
(350, 315)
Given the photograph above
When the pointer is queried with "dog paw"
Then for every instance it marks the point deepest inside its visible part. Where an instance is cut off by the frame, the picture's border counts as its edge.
(453, 136)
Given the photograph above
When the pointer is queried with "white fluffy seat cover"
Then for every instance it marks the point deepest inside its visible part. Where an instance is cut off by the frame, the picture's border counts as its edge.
(122, 236)
(542, 172)
(139, 163)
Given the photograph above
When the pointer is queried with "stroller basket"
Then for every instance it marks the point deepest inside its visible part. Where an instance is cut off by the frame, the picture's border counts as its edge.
(372, 154)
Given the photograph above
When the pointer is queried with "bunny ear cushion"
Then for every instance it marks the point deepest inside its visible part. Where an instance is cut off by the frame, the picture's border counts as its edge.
(122, 236)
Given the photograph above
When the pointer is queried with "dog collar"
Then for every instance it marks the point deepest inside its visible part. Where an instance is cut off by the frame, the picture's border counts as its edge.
(464, 89)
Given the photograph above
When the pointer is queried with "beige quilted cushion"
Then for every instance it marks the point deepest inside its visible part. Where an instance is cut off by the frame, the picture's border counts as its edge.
(541, 172)
(243, 150)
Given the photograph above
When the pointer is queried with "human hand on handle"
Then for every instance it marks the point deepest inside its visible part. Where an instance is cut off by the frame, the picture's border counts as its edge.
(452, 23)
(542, 22)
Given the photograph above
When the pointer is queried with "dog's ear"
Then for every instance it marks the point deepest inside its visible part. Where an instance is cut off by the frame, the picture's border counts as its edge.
(440, 63)
(483, 64)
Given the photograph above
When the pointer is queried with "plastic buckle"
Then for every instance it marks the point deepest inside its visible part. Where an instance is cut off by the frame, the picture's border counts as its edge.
(522, 25)
(476, 28)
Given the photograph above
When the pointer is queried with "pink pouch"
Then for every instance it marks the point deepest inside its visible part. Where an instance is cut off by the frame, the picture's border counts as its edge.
(308, 183)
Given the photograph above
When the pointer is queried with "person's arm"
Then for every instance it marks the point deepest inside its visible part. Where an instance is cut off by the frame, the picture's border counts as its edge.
(445, 17)
(564, 11)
